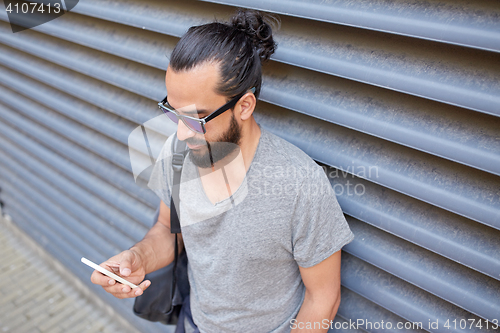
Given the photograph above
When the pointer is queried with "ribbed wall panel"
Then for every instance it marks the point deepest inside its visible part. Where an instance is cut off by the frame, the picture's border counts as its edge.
(427, 226)
(397, 100)
(466, 23)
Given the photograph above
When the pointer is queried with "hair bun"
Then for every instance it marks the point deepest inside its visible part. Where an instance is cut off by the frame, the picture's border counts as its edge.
(256, 25)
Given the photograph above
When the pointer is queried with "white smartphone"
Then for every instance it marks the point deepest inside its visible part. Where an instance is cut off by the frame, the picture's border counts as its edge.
(108, 273)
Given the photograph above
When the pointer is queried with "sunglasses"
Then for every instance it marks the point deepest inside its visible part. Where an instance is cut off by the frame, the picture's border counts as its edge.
(197, 124)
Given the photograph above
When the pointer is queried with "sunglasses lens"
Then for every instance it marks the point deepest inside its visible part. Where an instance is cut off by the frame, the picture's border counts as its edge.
(170, 115)
(193, 124)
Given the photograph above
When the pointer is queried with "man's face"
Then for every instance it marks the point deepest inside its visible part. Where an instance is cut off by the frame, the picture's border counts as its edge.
(193, 93)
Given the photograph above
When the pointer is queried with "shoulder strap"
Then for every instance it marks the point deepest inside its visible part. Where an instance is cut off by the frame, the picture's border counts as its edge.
(178, 154)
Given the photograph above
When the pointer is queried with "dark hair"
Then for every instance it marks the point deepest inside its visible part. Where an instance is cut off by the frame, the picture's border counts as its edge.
(238, 47)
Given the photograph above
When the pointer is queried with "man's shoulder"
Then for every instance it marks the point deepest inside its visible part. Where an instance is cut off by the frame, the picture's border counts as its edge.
(280, 154)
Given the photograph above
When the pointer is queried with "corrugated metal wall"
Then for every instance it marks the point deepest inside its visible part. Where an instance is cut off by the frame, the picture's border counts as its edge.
(399, 100)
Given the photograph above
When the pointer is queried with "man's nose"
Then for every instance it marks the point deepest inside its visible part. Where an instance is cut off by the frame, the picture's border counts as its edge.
(184, 132)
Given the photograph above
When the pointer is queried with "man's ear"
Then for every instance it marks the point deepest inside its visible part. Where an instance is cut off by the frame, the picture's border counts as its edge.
(247, 105)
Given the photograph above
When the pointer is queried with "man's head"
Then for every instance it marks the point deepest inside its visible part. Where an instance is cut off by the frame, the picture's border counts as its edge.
(211, 65)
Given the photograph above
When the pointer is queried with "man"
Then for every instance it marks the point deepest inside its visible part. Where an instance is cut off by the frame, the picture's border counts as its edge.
(260, 222)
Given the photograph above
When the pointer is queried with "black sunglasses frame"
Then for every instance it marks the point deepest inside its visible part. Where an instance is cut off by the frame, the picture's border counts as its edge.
(202, 121)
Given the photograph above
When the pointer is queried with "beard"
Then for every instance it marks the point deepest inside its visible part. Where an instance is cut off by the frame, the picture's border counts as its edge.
(217, 150)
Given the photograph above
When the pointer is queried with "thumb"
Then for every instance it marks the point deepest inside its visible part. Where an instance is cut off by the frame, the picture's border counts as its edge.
(126, 263)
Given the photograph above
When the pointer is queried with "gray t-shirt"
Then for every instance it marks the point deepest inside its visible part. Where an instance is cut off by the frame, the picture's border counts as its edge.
(245, 251)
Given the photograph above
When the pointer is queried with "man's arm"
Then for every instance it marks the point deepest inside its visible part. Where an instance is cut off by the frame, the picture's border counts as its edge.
(156, 249)
(322, 298)
(153, 252)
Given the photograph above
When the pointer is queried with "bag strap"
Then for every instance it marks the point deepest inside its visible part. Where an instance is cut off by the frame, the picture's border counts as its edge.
(178, 154)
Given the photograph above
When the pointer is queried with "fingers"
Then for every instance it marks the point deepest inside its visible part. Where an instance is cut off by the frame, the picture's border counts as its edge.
(127, 259)
(128, 265)
(123, 291)
(100, 279)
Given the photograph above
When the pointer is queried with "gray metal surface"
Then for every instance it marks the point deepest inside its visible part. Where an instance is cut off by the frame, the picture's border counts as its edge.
(450, 281)
(379, 59)
(472, 24)
(328, 104)
(397, 100)
(355, 307)
(401, 298)
(429, 227)
(448, 185)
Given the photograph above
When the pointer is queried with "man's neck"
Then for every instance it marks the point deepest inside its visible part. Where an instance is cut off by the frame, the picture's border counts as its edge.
(250, 137)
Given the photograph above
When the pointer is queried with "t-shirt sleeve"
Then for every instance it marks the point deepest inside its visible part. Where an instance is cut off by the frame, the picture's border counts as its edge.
(319, 226)
(161, 175)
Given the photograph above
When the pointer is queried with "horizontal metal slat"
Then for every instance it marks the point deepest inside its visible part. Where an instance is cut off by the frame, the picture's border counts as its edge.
(467, 242)
(477, 26)
(354, 307)
(97, 125)
(399, 297)
(11, 170)
(452, 282)
(444, 73)
(108, 124)
(458, 80)
(78, 245)
(81, 136)
(118, 199)
(158, 128)
(114, 100)
(131, 76)
(110, 98)
(155, 16)
(116, 152)
(438, 129)
(139, 45)
(444, 184)
(109, 213)
(79, 235)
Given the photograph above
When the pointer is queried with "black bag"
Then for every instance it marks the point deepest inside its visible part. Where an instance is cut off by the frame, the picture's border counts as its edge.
(163, 299)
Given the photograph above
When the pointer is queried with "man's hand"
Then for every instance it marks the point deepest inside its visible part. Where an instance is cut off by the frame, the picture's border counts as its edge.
(128, 265)
(154, 251)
